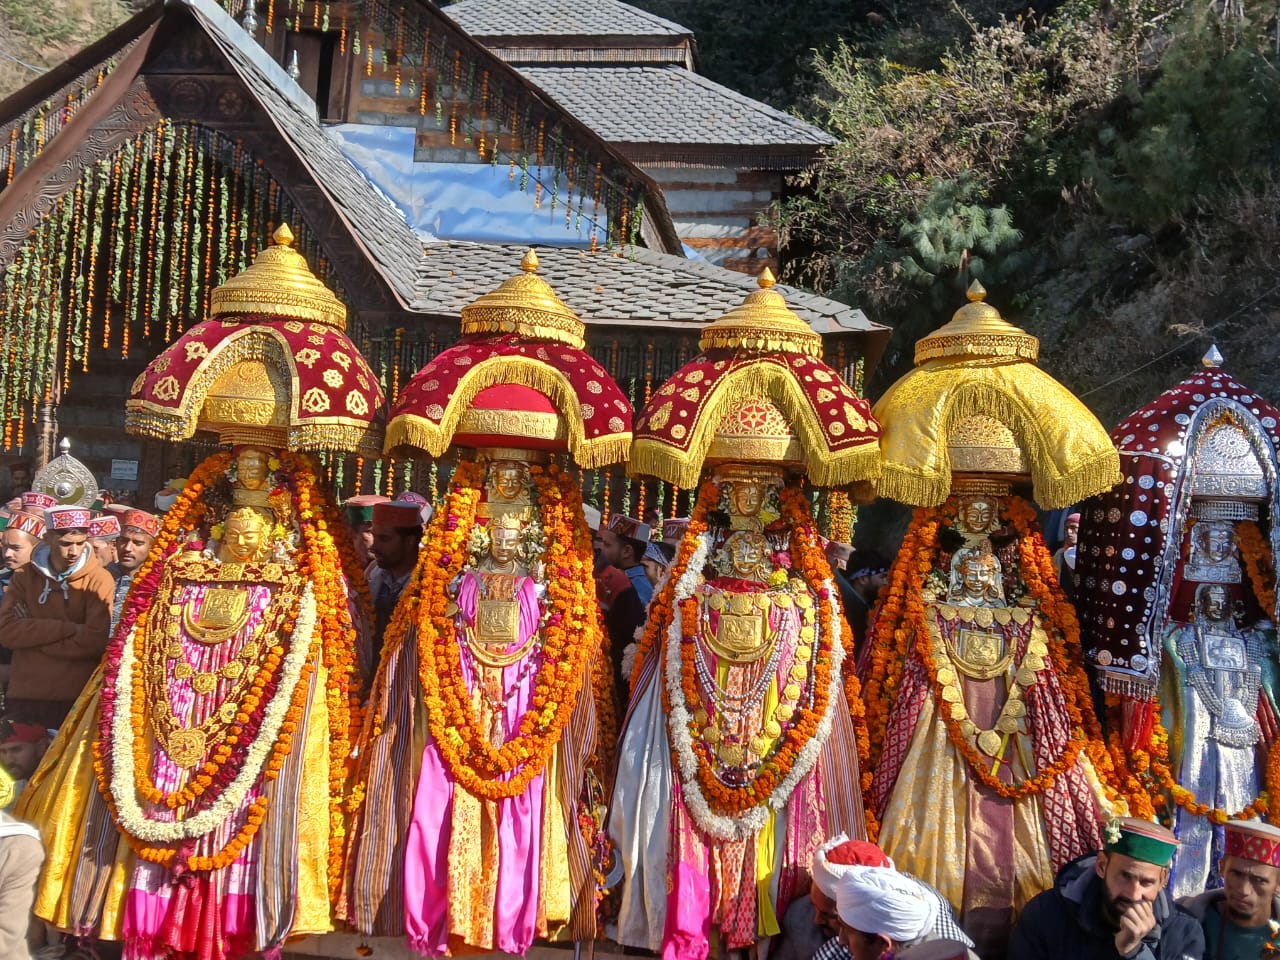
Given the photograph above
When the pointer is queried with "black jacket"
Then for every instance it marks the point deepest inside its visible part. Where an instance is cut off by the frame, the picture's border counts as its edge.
(1066, 923)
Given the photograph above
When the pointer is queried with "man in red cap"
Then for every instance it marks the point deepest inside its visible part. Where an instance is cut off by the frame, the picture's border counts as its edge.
(1111, 904)
(1243, 918)
(138, 531)
(397, 532)
(830, 863)
(56, 618)
(22, 744)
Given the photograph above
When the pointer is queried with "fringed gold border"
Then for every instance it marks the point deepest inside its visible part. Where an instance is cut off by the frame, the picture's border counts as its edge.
(968, 396)
(414, 429)
(654, 457)
(362, 440)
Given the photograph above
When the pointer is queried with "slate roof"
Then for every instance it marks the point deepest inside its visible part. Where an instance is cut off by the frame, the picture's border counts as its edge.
(669, 105)
(485, 19)
(638, 287)
(374, 222)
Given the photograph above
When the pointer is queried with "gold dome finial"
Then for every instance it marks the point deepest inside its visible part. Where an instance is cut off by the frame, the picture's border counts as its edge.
(762, 322)
(977, 330)
(279, 284)
(525, 305)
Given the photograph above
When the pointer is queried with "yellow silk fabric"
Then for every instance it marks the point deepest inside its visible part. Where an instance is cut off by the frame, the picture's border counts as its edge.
(924, 821)
(57, 798)
(313, 819)
(1070, 455)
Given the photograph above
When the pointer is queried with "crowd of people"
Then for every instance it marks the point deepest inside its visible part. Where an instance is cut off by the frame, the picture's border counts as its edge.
(67, 570)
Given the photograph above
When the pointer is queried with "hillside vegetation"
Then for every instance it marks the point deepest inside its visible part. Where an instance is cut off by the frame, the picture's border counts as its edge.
(35, 36)
(1107, 168)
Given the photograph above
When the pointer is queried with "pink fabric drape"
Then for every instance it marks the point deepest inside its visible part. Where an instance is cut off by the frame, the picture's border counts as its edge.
(519, 819)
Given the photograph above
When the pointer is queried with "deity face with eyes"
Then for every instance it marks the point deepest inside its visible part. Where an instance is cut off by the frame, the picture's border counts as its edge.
(504, 544)
(507, 480)
(747, 553)
(252, 468)
(1216, 539)
(245, 536)
(1215, 602)
(977, 514)
(746, 497)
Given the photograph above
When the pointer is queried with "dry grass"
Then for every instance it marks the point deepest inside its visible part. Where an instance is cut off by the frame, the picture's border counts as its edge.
(43, 33)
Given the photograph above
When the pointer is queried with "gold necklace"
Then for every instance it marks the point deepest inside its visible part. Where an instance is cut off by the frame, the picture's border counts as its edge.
(186, 745)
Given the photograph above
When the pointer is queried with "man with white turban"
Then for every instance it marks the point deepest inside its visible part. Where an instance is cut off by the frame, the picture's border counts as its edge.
(870, 883)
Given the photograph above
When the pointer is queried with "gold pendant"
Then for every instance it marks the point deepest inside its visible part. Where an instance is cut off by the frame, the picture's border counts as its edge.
(186, 747)
(989, 742)
(204, 683)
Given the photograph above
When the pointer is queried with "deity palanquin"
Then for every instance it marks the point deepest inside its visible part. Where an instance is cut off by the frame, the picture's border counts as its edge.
(194, 804)
(1178, 608)
(743, 745)
(487, 748)
(989, 765)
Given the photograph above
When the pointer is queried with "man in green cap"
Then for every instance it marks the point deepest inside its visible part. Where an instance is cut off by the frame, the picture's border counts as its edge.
(1111, 904)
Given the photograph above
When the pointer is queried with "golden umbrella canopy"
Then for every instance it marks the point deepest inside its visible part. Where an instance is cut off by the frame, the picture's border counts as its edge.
(977, 405)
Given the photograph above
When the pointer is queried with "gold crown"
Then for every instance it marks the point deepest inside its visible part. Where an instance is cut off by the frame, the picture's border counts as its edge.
(526, 305)
(507, 520)
(763, 321)
(279, 283)
(977, 330)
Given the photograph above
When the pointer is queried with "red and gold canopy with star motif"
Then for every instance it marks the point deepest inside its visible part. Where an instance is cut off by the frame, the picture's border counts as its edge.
(272, 365)
(758, 392)
(518, 378)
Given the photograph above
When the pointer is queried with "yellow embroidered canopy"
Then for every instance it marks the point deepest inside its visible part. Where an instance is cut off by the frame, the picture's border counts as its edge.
(978, 405)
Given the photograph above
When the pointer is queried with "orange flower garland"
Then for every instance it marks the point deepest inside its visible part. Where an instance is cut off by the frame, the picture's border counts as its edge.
(809, 562)
(321, 564)
(570, 637)
(903, 616)
(1255, 551)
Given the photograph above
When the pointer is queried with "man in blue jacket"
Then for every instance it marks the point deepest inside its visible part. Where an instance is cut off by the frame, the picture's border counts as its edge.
(1112, 905)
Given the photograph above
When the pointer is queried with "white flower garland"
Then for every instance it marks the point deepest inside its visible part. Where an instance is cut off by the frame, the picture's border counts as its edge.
(132, 818)
(753, 820)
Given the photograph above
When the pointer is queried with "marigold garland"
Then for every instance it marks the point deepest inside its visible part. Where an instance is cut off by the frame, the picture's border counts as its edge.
(808, 722)
(1255, 551)
(329, 566)
(570, 638)
(902, 616)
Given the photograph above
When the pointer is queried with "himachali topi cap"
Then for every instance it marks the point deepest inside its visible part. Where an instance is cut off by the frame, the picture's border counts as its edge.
(68, 518)
(360, 508)
(593, 516)
(104, 527)
(397, 513)
(630, 527)
(27, 523)
(673, 529)
(1141, 840)
(141, 521)
(37, 503)
(1253, 840)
